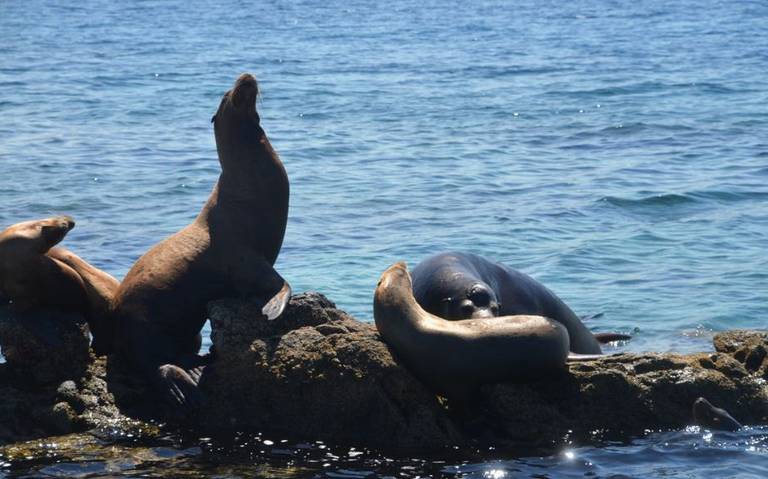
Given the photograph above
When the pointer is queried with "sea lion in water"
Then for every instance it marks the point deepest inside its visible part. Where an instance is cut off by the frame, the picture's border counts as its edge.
(454, 357)
(709, 416)
(34, 274)
(463, 285)
(228, 250)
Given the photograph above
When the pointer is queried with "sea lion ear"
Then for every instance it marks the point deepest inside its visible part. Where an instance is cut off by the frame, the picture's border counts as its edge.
(213, 118)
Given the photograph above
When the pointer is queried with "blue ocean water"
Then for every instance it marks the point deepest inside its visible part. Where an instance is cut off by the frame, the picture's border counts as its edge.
(615, 151)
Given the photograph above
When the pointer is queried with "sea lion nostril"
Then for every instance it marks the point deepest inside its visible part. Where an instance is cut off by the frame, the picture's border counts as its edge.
(480, 296)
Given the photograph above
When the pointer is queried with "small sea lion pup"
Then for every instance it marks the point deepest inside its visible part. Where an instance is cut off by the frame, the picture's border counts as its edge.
(228, 250)
(455, 357)
(34, 275)
(715, 418)
(463, 285)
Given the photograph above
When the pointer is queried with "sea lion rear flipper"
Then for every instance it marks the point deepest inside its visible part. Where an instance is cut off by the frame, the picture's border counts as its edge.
(604, 338)
(275, 306)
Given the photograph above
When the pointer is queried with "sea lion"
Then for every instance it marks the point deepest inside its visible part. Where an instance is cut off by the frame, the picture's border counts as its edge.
(228, 250)
(34, 274)
(454, 357)
(711, 417)
(464, 285)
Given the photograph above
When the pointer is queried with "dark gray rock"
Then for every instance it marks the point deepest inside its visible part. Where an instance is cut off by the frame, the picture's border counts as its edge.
(316, 373)
(44, 347)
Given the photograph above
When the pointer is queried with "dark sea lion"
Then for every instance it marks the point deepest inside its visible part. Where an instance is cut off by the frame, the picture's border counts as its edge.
(454, 357)
(36, 275)
(463, 285)
(228, 250)
(711, 417)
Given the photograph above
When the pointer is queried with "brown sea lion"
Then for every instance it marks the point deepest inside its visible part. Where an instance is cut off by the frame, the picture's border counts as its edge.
(457, 285)
(228, 250)
(36, 275)
(455, 357)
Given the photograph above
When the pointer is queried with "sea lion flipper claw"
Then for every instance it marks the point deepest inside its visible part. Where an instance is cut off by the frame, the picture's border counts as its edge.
(276, 305)
(179, 387)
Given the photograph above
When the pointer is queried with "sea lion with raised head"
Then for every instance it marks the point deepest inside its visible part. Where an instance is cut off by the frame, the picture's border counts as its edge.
(463, 285)
(35, 274)
(707, 415)
(228, 250)
(455, 357)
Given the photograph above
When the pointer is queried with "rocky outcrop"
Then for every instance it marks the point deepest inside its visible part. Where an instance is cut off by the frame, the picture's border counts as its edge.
(316, 373)
(50, 382)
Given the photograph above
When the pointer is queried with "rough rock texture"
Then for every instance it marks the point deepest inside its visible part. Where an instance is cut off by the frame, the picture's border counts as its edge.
(43, 347)
(317, 373)
(50, 382)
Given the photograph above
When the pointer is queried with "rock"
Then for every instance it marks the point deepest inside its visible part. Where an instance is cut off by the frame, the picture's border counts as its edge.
(748, 347)
(44, 347)
(317, 373)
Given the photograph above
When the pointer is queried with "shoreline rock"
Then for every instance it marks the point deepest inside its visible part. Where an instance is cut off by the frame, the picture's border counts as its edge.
(316, 373)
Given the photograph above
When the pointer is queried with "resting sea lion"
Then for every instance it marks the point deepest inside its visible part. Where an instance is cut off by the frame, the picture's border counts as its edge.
(36, 275)
(709, 416)
(463, 285)
(228, 250)
(454, 357)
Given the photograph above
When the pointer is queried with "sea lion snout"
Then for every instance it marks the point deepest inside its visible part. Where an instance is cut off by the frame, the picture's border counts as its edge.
(245, 91)
(55, 229)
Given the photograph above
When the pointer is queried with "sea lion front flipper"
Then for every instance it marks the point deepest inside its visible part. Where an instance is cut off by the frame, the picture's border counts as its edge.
(179, 386)
(258, 281)
(275, 306)
(604, 338)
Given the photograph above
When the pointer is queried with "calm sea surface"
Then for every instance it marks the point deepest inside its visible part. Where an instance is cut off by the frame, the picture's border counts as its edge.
(616, 151)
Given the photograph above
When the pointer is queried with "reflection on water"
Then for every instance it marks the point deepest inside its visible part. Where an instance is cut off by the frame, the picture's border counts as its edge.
(690, 453)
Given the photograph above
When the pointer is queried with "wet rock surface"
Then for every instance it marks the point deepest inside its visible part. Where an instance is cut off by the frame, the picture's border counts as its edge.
(316, 373)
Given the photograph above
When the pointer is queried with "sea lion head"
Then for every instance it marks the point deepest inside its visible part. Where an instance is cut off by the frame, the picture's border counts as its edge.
(236, 123)
(22, 244)
(238, 103)
(709, 416)
(34, 237)
(472, 301)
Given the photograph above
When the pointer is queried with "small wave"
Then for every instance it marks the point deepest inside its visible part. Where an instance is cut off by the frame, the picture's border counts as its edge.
(683, 199)
(654, 201)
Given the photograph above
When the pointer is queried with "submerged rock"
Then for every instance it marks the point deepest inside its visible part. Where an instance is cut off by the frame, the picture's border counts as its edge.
(316, 373)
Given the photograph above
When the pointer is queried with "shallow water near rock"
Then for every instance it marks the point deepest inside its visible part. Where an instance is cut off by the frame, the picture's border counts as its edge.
(690, 453)
(615, 152)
